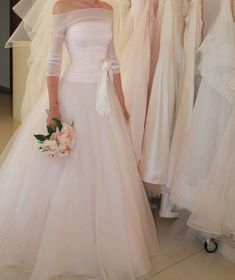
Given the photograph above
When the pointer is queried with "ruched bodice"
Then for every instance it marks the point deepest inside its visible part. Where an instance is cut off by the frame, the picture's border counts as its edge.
(87, 34)
(87, 44)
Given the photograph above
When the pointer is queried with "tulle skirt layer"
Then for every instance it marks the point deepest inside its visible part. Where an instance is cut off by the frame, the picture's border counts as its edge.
(86, 214)
(210, 118)
(214, 208)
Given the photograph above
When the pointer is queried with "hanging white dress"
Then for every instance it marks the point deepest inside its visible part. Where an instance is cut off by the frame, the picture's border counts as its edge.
(180, 12)
(135, 71)
(192, 41)
(86, 214)
(161, 111)
(213, 211)
(155, 45)
(211, 112)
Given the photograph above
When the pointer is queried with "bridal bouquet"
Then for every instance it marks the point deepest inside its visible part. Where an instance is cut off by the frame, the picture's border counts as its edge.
(59, 141)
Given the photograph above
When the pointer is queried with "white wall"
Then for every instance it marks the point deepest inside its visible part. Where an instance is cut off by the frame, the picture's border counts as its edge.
(20, 71)
(4, 35)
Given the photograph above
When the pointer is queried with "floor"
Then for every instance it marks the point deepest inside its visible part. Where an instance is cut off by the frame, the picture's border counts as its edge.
(182, 258)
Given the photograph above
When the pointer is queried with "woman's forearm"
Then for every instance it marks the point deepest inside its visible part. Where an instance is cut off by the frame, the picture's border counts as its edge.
(54, 110)
(52, 85)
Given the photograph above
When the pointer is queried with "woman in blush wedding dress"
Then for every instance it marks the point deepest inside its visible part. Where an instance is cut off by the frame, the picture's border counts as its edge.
(86, 214)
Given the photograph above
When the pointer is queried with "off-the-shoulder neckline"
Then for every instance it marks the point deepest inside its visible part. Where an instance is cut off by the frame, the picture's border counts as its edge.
(84, 9)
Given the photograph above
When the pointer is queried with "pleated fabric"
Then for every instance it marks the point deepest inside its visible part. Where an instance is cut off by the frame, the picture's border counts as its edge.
(161, 111)
(187, 95)
(135, 71)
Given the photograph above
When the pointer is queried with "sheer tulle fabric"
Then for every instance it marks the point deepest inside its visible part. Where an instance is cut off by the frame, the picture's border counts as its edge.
(71, 216)
(215, 215)
(214, 208)
(212, 111)
(34, 29)
(192, 41)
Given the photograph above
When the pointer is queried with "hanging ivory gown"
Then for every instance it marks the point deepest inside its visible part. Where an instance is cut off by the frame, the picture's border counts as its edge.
(160, 116)
(192, 41)
(155, 45)
(135, 71)
(123, 25)
(137, 8)
(211, 112)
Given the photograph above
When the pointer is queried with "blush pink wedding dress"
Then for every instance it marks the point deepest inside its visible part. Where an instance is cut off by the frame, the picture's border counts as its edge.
(86, 214)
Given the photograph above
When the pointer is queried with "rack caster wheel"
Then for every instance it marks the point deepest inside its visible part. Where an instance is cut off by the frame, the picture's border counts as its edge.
(211, 246)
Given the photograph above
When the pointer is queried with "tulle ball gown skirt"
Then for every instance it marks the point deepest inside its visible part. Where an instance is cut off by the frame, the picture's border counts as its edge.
(86, 214)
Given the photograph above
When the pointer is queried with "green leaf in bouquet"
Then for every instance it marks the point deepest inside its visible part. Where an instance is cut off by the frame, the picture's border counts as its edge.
(58, 123)
(40, 137)
(50, 130)
(72, 124)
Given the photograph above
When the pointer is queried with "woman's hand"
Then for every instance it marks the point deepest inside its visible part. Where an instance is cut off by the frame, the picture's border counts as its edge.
(53, 112)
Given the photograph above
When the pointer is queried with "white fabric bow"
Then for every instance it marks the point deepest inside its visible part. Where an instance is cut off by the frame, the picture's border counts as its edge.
(102, 99)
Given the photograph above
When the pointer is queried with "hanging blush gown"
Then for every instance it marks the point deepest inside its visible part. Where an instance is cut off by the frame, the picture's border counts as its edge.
(192, 41)
(86, 214)
(135, 71)
(123, 25)
(211, 113)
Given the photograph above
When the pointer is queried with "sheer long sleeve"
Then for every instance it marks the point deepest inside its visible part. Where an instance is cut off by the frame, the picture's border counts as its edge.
(55, 50)
(111, 55)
